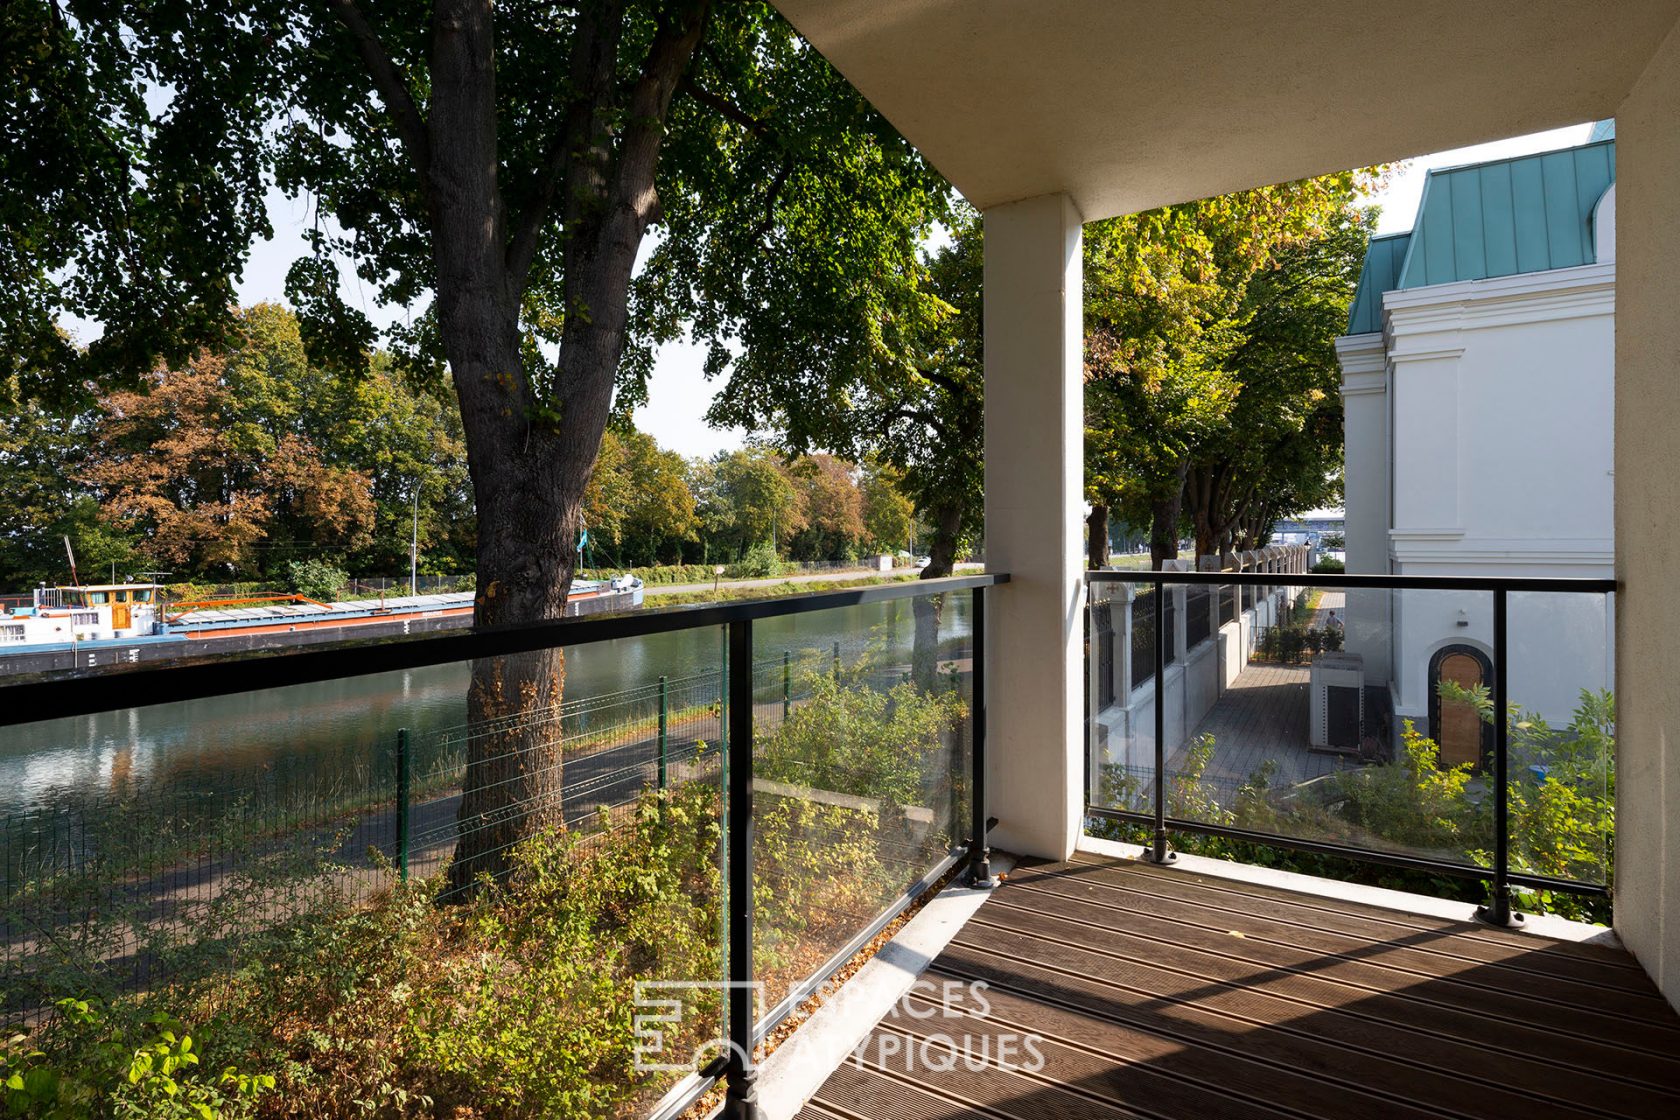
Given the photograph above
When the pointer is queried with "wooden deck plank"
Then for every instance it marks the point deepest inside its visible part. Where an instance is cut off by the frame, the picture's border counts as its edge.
(1135, 1064)
(1154, 993)
(1215, 891)
(1214, 975)
(1165, 917)
(1241, 954)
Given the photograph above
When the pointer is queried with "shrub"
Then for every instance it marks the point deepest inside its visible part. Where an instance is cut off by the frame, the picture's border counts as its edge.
(759, 562)
(99, 1064)
(1329, 565)
(316, 579)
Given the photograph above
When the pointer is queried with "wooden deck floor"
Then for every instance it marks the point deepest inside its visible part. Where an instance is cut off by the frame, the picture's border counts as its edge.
(1159, 993)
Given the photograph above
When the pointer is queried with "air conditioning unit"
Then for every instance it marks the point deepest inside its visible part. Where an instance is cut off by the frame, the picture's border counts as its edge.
(1338, 702)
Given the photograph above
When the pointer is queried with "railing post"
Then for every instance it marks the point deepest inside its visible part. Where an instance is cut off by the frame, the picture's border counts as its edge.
(402, 804)
(740, 1073)
(787, 683)
(1498, 911)
(723, 702)
(1159, 851)
(664, 729)
(979, 853)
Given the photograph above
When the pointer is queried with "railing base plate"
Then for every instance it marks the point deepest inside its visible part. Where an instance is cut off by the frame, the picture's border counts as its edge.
(1490, 916)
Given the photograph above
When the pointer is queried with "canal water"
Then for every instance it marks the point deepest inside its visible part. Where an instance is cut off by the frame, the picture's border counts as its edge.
(339, 734)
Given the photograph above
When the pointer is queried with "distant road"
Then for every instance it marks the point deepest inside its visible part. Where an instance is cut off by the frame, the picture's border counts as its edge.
(846, 576)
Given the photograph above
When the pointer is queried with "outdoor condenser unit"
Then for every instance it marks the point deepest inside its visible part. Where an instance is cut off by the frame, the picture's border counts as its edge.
(1338, 702)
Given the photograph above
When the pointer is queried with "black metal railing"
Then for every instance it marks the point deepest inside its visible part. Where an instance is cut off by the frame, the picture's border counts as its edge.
(1148, 803)
(739, 688)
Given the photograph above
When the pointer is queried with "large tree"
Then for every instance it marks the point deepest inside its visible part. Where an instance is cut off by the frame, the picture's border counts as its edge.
(499, 166)
(1175, 339)
(906, 391)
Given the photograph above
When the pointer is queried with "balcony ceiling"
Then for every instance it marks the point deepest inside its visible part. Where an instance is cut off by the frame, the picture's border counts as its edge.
(1135, 104)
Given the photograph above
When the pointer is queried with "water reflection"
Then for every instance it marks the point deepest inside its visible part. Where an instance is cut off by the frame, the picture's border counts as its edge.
(340, 734)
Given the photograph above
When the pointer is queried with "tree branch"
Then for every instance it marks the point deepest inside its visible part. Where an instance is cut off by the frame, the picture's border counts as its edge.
(724, 107)
(392, 87)
(593, 65)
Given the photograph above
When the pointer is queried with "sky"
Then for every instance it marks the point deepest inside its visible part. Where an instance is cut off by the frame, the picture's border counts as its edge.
(679, 393)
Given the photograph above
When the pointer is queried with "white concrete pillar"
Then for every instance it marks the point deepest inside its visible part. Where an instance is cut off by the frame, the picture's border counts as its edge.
(1034, 336)
(1647, 904)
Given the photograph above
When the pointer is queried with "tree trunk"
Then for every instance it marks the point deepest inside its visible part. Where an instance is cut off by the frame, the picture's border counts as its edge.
(946, 538)
(1164, 514)
(530, 452)
(1163, 531)
(930, 609)
(1096, 537)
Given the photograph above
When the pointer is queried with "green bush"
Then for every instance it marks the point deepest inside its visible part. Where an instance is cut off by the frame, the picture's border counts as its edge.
(1329, 565)
(759, 562)
(662, 574)
(316, 579)
(98, 1065)
(1561, 808)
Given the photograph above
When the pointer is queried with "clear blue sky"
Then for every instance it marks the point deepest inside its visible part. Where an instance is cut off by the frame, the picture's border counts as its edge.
(679, 393)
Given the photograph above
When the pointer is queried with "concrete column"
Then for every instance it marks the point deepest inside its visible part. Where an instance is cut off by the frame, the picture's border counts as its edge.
(1647, 904)
(1034, 336)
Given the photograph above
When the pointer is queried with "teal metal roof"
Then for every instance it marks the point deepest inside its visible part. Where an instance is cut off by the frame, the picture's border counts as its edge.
(1509, 216)
(1381, 273)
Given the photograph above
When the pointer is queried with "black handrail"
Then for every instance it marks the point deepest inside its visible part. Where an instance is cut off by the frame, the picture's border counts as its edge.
(43, 696)
(1500, 876)
(1394, 583)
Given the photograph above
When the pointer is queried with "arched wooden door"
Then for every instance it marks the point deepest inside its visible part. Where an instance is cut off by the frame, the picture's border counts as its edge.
(1458, 729)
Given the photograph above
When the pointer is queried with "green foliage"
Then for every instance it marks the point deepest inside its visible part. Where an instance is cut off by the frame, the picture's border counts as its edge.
(1210, 372)
(104, 1063)
(1293, 641)
(316, 579)
(758, 562)
(1328, 565)
(1561, 808)
(856, 739)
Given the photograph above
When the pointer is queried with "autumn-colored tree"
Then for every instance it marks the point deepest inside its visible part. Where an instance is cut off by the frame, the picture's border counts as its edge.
(833, 508)
(210, 469)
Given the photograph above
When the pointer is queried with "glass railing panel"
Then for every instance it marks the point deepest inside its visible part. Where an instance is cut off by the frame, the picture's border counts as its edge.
(552, 861)
(1311, 715)
(1562, 734)
(1120, 771)
(860, 762)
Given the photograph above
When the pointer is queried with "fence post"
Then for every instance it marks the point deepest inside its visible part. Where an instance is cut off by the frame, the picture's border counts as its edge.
(402, 804)
(663, 732)
(1159, 851)
(837, 658)
(723, 701)
(979, 853)
(787, 683)
(740, 1073)
(1498, 911)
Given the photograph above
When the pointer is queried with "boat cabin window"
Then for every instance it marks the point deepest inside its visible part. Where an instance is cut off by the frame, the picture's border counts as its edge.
(143, 596)
(99, 596)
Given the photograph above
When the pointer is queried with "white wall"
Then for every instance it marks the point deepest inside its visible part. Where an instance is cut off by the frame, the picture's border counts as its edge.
(1647, 905)
(1480, 441)
(1366, 486)
(1502, 417)
(1034, 337)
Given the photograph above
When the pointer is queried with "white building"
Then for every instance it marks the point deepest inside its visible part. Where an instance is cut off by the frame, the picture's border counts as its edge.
(1478, 379)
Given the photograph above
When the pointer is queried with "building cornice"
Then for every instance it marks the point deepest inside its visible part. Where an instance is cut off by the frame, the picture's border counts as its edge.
(1559, 293)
